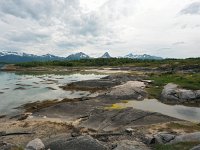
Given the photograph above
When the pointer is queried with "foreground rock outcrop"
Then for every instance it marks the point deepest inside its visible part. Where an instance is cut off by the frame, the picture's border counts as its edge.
(78, 143)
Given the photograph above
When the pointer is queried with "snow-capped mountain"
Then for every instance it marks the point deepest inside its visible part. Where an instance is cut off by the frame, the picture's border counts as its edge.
(78, 56)
(106, 55)
(16, 57)
(144, 56)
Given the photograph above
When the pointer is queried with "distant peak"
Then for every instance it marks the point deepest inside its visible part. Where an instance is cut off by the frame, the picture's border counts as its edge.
(106, 55)
(143, 56)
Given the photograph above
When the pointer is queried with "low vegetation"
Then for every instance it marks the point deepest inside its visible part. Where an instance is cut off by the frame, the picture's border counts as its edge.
(184, 80)
(190, 127)
(165, 63)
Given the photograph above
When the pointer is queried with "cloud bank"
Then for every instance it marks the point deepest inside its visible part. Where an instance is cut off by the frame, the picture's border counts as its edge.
(169, 28)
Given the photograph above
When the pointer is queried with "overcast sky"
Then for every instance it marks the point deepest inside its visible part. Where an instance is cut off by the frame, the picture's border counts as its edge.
(167, 28)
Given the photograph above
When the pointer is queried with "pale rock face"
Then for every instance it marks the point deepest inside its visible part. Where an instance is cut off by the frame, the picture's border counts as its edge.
(131, 89)
(190, 137)
(186, 94)
(35, 144)
(197, 94)
(171, 92)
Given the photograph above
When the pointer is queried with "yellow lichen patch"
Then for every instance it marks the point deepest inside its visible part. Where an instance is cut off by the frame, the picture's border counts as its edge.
(114, 106)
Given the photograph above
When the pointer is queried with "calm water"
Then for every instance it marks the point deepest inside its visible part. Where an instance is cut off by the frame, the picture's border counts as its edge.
(177, 111)
(16, 90)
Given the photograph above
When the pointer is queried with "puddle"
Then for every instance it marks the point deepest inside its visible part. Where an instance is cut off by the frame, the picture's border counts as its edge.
(176, 111)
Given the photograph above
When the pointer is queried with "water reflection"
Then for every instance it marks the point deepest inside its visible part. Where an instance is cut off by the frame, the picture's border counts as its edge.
(177, 111)
(17, 89)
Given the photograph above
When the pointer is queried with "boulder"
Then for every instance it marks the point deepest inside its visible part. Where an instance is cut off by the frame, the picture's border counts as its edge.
(35, 144)
(163, 138)
(172, 93)
(160, 138)
(77, 143)
(197, 94)
(190, 137)
(186, 94)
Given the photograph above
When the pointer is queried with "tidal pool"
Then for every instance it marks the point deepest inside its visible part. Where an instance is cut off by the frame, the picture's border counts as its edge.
(18, 89)
(176, 111)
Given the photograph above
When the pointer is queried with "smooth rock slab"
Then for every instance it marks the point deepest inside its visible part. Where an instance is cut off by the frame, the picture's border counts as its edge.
(79, 143)
(129, 90)
(35, 144)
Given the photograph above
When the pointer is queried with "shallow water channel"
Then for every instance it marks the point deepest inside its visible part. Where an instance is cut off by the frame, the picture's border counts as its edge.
(18, 89)
(176, 111)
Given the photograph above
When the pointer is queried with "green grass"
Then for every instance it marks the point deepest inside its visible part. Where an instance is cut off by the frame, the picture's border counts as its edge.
(154, 92)
(178, 146)
(186, 81)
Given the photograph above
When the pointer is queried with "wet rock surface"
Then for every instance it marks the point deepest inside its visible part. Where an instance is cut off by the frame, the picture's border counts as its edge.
(101, 84)
(108, 120)
(91, 85)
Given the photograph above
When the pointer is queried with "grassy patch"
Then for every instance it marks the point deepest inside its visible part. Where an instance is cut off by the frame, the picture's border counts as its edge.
(186, 127)
(178, 146)
(154, 92)
(187, 81)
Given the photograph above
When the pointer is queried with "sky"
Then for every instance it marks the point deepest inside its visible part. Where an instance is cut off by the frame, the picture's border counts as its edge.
(167, 28)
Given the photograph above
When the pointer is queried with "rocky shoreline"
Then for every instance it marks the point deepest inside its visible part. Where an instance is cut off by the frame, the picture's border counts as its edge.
(95, 122)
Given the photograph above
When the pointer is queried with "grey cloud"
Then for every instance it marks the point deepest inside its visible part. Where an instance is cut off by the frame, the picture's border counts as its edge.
(91, 26)
(26, 8)
(69, 45)
(28, 37)
(192, 9)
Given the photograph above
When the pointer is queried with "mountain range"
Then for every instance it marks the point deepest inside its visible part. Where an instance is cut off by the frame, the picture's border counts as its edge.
(15, 57)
